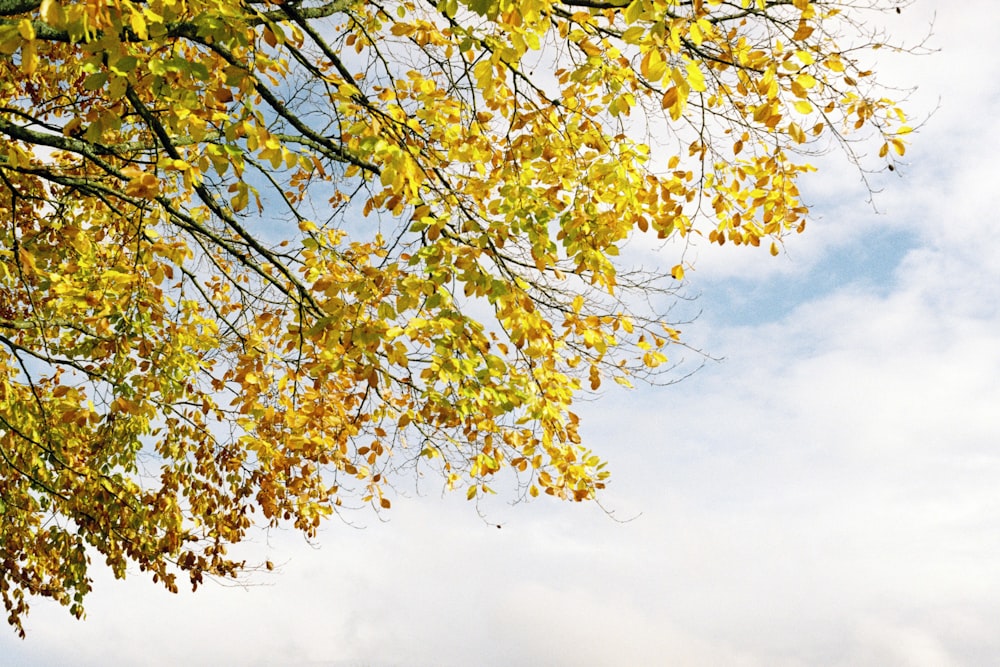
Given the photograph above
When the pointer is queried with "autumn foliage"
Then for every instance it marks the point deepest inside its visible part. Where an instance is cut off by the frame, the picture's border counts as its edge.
(261, 256)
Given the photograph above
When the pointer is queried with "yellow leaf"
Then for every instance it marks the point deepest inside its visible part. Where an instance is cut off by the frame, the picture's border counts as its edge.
(674, 102)
(762, 113)
(52, 13)
(805, 57)
(590, 49)
(803, 106)
(26, 29)
(141, 184)
(653, 66)
(803, 31)
(796, 133)
(807, 81)
(834, 63)
(634, 11)
(29, 58)
(695, 78)
(138, 23)
(696, 35)
(669, 99)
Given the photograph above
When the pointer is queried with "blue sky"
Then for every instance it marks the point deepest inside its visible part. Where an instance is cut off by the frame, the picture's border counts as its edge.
(827, 495)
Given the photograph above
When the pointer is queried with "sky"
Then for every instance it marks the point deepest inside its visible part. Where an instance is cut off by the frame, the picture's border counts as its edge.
(827, 494)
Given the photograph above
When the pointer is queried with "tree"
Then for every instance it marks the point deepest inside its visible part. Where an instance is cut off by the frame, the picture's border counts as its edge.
(260, 256)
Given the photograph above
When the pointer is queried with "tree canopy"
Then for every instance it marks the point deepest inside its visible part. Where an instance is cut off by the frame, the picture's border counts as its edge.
(259, 256)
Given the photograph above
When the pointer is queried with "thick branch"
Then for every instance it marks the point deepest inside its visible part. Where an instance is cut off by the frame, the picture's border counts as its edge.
(15, 7)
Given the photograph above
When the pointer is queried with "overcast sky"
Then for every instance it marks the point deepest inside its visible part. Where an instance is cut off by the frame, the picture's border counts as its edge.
(827, 495)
